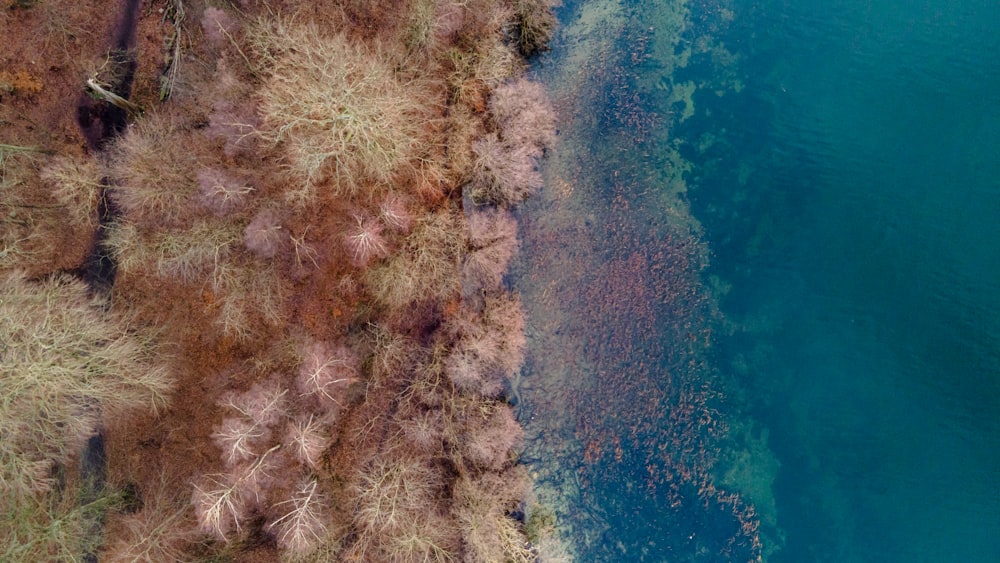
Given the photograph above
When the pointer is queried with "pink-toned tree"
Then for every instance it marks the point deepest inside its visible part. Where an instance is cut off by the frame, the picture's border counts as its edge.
(524, 113)
(233, 124)
(238, 437)
(218, 506)
(308, 439)
(263, 404)
(218, 26)
(223, 501)
(493, 241)
(395, 214)
(326, 372)
(301, 525)
(364, 241)
(265, 236)
(220, 192)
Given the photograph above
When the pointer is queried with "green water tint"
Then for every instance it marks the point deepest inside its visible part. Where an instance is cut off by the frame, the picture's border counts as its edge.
(629, 427)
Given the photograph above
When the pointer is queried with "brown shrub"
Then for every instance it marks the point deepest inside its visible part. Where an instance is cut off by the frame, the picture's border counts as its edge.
(76, 184)
(481, 505)
(418, 34)
(428, 385)
(249, 301)
(504, 319)
(392, 491)
(153, 167)
(341, 112)
(397, 516)
(470, 373)
(184, 255)
(424, 431)
(449, 18)
(523, 111)
(484, 268)
(392, 353)
(488, 226)
(490, 439)
(426, 266)
(504, 174)
(68, 366)
(464, 128)
(161, 531)
(483, 53)
(536, 21)
(493, 238)
(506, 167)
(430, 538)
(23, 239)
(433, 25)
(487, 347)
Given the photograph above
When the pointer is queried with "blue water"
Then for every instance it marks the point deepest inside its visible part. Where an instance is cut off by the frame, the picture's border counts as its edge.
(843, 175)
(863, 248)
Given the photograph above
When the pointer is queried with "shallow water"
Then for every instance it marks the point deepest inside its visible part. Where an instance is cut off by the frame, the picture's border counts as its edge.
(837, 364)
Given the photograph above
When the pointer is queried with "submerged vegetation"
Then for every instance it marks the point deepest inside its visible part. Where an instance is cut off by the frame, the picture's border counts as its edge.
(630, 418)
(296, 264)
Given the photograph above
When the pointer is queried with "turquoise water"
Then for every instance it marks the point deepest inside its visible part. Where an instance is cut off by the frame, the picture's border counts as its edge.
(863, 249)
(836, 166)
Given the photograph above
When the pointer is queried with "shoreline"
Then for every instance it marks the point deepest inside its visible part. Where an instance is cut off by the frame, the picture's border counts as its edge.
(624, 408)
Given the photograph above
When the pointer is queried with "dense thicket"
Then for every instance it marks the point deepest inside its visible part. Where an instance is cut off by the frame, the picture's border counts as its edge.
(292, 234)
